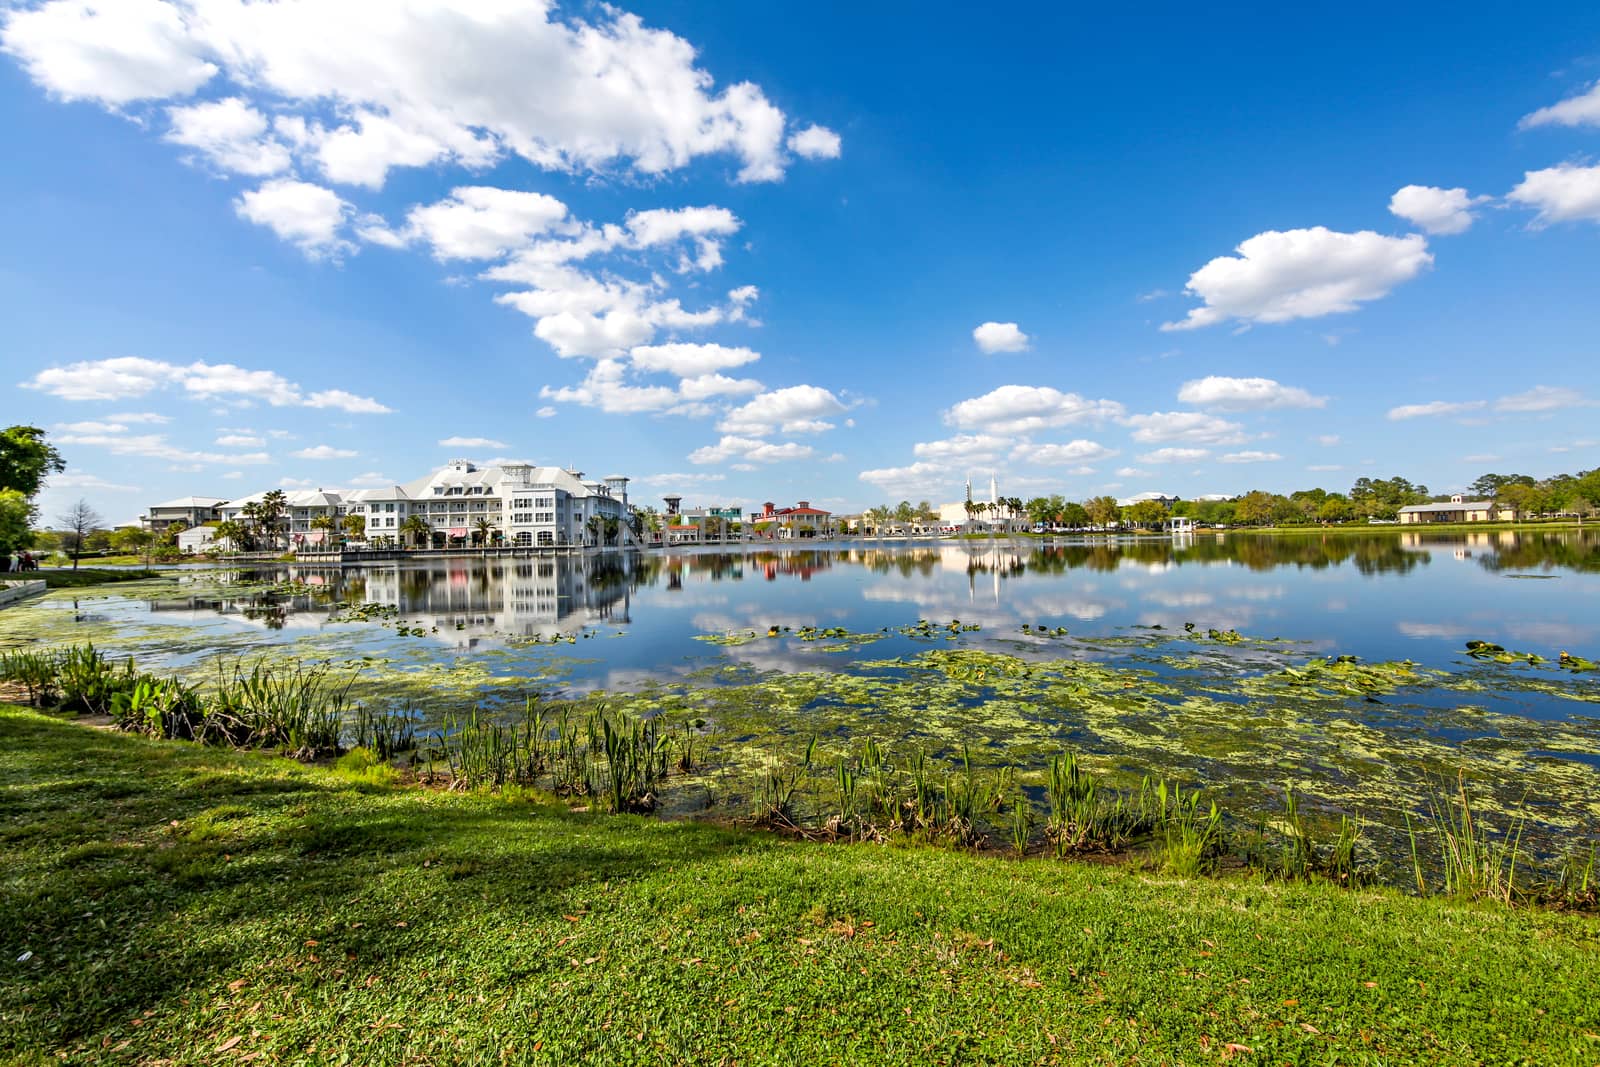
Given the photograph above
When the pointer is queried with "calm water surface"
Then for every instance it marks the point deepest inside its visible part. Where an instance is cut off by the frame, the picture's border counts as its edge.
(1384, 596)
(441, 635)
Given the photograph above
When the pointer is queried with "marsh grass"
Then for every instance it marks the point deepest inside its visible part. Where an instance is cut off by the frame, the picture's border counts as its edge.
(1189, 838)
(297, 709)
(1288, 849)
(1475, 861)
(36, 672)
(1086, 817)
(387, 731)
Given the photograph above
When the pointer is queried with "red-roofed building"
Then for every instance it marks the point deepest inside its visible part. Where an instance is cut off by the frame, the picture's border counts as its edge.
(786, 524)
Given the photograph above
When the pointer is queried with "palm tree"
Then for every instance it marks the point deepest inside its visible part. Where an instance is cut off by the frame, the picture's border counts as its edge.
(274, 510)
(355, 527)
(174, 528)
(416, 528)
(236, 533)
(611, 525)
(327, 524)
(593, 526)
(483, 529)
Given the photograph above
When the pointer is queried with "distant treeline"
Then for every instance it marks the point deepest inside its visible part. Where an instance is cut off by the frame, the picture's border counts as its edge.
(1368, 498)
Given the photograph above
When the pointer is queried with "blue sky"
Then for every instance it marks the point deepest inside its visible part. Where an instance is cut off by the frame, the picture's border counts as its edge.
(848, 257)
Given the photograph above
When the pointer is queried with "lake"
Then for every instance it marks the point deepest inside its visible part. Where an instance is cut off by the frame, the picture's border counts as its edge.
(1186, 659)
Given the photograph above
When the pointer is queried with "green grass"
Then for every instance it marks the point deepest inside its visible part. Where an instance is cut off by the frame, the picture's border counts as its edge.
(180, 900)
(67, 578)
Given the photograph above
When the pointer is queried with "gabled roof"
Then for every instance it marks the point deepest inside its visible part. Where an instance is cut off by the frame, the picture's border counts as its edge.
(1474, 505)
(192, 502)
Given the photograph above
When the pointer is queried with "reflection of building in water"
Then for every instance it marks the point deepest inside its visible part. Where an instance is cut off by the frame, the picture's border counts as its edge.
(735, 566)
(517, 597)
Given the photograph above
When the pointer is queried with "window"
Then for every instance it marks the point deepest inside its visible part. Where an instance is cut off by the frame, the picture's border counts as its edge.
(546, 502)
(543, 516)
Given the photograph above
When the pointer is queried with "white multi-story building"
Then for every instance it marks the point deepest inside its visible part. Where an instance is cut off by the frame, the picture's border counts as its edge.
(519, 503)
(300, 507)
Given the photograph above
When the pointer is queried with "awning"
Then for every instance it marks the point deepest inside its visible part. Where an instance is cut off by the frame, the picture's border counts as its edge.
(457, 531)
(314, 537)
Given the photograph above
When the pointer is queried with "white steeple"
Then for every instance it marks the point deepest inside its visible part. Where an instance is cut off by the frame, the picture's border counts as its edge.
(994, 490)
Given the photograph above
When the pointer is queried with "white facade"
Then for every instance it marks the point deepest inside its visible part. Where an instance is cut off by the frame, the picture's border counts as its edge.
(523, 504)
(300, 507)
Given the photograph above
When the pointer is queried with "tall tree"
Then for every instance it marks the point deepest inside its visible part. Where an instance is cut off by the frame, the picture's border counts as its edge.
(27, 459)
(16, 515)
(134, 540)
(1103, 510)
(79, 521)
(355, 527)
(416, 528)
(1147, 513)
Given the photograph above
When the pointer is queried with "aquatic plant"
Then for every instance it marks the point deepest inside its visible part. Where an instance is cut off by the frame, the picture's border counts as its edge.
(1189, 838)
(36, 672)
(88, 680)
(775, 788)
(298, 709)
(163, 708)
(1298, 856)
(1475, 861)
(1084, 817)
(387, 731)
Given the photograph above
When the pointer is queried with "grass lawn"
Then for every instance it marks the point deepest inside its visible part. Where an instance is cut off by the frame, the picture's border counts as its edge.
(67, 578)
(190, 905)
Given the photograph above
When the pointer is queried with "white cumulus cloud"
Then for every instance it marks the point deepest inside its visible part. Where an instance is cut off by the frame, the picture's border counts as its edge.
(482, 222)
(1580, 110)
(1075, 452)
(1188, 427)
(129, 377)
(995, 337)
(1298, 274)
(795, 409)
(1564, 193)
(1246, 394)
(323, 452)
(364, 86)
(310, 217)
(963, 448)
(815, 142)
(1249, 457)
(1027, 408)
(1435, 210)
(750, 450)
(471, 442)
(116, 52)
(1542, 398)
(688, 360)
(231, 134)
(1174, 455)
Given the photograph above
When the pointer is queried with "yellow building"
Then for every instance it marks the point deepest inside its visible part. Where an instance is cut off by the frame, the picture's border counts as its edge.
(1458, 510)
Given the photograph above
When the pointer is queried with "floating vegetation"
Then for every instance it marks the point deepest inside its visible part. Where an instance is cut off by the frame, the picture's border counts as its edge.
(1486, 650)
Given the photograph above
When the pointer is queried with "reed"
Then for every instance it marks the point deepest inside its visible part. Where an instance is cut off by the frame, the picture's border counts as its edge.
(297, 709)
(1085, 817)
(1475, 861)
(36, 672)
(386, 731)
(1190, 839)
(776, 787)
